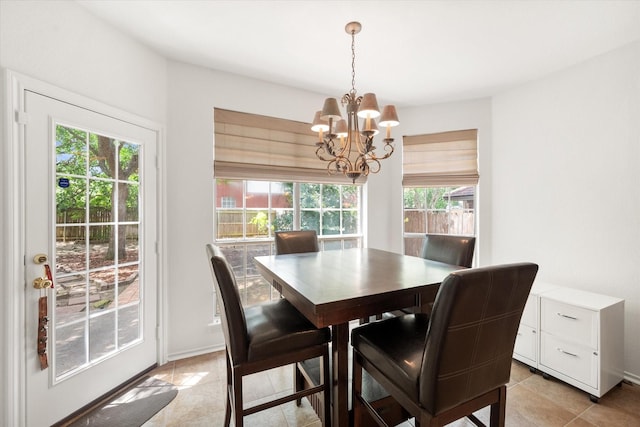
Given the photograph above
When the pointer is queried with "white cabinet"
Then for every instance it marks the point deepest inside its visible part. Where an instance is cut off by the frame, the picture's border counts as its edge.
(527, 340)
(582, 339)
(573, 335)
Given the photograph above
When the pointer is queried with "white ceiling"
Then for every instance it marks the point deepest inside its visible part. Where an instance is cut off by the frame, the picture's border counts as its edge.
(408, 52)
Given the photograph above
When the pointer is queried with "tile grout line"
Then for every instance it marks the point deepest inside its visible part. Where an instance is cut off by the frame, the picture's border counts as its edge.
(580, 415)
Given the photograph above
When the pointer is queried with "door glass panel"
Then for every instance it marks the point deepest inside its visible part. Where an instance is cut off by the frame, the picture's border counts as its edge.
(102, 335)
(99, 236)
(69, 351)
(128, 285)
(102, 289)
(131, 243)
(71, 298)
(102, 156)
(71, 151)
(98, 302)
(128, 324)
(132, 210)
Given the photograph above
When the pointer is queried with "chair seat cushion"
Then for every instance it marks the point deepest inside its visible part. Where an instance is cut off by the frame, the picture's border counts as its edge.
(277, 328)
(395, 347)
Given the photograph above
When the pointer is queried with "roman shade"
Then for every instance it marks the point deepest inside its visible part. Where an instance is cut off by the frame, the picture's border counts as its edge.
(440, 159)
(255, 147)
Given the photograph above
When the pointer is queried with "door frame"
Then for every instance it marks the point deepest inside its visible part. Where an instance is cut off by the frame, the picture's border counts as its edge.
(12, 233)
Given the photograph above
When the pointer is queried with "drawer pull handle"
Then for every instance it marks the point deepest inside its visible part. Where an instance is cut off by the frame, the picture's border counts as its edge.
(566, 352)
(566, 316)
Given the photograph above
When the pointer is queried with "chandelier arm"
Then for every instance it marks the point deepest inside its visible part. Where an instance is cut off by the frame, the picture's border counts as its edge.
(322, 150)
(389, 151)
(372, 165)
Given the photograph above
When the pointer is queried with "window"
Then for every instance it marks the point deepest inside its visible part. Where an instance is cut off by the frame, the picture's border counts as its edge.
(440, 175)
(268, 179)
(440, 210)
(228, 202)
(246, 230)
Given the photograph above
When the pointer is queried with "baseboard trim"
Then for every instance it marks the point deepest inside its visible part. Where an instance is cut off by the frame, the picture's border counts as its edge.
(632, 378)
(196, 352)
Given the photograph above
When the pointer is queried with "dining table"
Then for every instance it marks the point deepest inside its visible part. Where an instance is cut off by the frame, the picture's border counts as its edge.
(334, 287)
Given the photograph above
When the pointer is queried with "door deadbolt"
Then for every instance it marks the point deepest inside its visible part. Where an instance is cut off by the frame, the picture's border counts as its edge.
(40, 258)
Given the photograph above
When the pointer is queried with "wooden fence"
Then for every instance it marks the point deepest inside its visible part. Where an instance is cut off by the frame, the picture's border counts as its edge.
(456, 221)
(99, 227)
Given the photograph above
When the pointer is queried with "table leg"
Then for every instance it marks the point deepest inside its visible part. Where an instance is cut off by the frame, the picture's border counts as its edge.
(340, 374)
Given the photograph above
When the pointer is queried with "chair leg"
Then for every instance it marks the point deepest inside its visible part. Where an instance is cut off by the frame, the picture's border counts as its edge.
(356, 391)
(237, 400)
(326, 375)
(298, 382)
(227, 411)
(498, 409)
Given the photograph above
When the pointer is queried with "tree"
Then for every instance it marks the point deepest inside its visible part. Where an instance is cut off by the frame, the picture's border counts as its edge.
(118, 160)
(110, 165)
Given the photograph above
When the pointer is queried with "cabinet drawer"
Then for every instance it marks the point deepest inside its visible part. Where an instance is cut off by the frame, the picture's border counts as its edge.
(576, 324)
(575, 361)
(526, 342)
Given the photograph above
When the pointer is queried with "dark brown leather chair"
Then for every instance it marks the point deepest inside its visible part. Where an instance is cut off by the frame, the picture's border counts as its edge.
(263, 337)
(298, 241)
(306, 374)
(455, 362)
(449, 248)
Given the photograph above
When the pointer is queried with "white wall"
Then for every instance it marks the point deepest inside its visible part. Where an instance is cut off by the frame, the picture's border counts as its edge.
(60, 43)
(566, 192)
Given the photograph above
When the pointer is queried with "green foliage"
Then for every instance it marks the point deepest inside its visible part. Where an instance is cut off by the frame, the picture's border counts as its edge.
(426, 198)
(310, 220)
(77, 150)
(283, 220)
(261, 220)
(331, 196)
(310, 195)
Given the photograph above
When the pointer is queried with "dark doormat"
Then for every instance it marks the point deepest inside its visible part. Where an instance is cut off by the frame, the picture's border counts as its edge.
(133, 408)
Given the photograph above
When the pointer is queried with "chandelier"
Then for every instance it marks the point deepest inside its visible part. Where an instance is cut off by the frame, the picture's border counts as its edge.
(345, 145)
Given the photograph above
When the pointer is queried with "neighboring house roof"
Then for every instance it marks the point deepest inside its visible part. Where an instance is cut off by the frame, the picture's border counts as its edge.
(462, 193)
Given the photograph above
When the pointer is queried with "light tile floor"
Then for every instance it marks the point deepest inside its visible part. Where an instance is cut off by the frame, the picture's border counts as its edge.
(531, 400)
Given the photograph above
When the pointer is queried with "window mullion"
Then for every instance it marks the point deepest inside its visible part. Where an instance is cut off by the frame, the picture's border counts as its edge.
(297, 212)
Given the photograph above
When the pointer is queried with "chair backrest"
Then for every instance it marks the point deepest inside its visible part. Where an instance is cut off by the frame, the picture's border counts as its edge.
(472, 332)
(293, 242)
(234, 324)
(448, 248)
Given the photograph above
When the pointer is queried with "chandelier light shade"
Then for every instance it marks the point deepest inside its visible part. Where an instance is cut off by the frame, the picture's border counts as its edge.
(346, 144)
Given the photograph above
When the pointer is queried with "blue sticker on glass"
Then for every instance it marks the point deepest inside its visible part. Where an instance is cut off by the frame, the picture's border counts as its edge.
(63, 182)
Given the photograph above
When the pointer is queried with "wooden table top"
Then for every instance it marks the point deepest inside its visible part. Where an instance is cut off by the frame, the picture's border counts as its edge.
(337, 286)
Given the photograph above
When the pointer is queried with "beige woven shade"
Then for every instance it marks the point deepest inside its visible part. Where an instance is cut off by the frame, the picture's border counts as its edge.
(255, 147)
(440, 159)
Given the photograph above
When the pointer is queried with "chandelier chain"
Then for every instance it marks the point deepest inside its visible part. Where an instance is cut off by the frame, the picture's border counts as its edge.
(353, 62)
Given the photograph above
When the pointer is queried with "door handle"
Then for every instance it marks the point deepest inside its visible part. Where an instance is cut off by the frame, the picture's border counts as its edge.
(45, 281)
